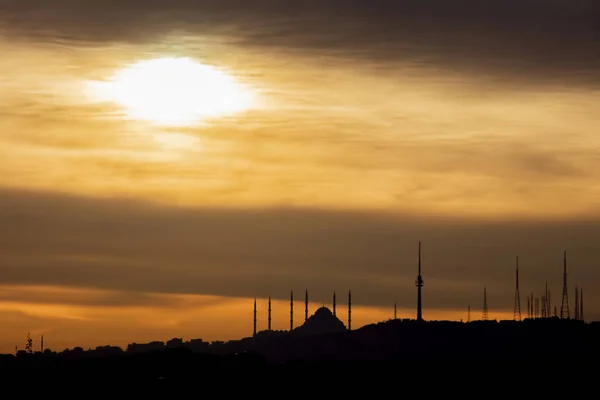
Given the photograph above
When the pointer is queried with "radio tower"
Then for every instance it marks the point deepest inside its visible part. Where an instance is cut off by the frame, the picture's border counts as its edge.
(291, 310)
(576, 303)
(517, 311)
(395, 314)
(581, 304)
(419, 283)
(469, 313)
(484, 314)
(564, 308)
(269, 322)
(254, 332)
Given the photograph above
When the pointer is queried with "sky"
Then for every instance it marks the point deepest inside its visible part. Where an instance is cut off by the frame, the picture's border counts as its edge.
(470, 126)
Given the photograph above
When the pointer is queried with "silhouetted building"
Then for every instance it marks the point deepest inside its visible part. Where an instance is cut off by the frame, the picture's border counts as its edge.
(321, 322)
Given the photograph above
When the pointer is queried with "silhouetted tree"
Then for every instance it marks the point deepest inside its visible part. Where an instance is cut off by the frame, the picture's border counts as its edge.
(29, 344)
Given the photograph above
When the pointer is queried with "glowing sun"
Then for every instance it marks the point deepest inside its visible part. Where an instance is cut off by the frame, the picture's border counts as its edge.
(175, 91)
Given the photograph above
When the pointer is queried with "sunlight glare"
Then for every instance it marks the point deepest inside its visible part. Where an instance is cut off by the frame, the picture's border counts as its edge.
(175, 92)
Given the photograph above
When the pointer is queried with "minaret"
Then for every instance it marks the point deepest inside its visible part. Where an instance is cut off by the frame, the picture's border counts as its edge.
(395, 309)
(564, 307)
(306, 306)
(269, 322)
(291, 310)
(349, 310)
(419, 284)
(484, 314)
(517, 310)
(334, 303)
(254, 332)
(581, 304)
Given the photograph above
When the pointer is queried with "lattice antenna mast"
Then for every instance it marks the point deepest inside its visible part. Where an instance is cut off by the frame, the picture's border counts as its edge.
(564, 307)
(292, 310)
(484, 314)
(254, 331)
(576, 303)
(517, 310)
(581, 304)
(419, 283)
(269, 321)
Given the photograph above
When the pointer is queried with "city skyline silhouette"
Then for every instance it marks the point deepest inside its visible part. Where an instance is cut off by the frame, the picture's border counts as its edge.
(163, 165)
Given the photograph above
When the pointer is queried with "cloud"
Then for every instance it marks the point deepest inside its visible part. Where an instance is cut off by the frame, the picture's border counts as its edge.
(135, 247)
(526, 41)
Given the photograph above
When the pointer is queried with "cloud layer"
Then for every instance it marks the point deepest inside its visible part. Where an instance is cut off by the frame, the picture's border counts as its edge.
(139, 247)
(532, 40)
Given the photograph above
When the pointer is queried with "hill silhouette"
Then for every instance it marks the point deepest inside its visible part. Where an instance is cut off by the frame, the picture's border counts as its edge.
(440, 345)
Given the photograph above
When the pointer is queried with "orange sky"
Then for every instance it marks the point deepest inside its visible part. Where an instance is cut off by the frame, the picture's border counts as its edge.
(345, 138)
(67, 318)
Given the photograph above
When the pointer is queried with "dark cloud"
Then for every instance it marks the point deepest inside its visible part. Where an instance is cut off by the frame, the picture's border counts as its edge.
(533, 40)
(126, 245)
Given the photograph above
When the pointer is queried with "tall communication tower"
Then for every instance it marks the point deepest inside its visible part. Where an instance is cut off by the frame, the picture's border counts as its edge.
(419, 283)
(484, 314)
(564, 307)
(395, 311)
(517, 310)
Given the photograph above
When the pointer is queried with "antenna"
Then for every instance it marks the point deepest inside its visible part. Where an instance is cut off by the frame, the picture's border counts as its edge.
(484, 314)
(42, 344)
(469, 313)
(576, 302)
(419, 284)
(564, 307)
(291, 310)
(269, 322)
(581, 304)
(517, 310)
(395, 310)
(254, 332)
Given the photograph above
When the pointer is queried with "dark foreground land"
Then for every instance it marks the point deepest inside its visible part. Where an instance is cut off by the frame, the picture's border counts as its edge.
(399, 349)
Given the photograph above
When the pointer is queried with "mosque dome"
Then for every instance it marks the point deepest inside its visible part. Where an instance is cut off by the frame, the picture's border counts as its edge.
(321, 322)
